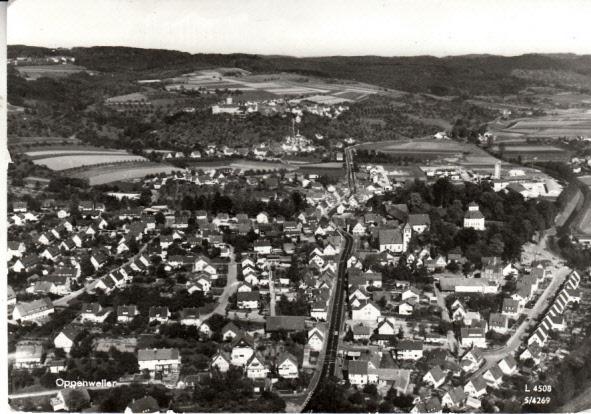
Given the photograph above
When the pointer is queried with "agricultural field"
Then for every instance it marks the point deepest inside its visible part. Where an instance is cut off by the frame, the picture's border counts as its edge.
(563, 123)
(582, 222)
(435, 150)
(52, 71)
(273, 85)
(60, 158)
(121, 172)
(241, 165)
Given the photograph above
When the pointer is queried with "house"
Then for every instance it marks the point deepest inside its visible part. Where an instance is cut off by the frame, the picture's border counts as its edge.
(454, 398)
(147, 404)
(221, 360)
(126, 314)
(242, 350)
(287, 365)
(473, 336)
(159, 360)
(391, 240)
(473, 218)
(71, 399)
(472, 360)
(432, 405)
(511, 308)
(359, 372)
(256, 367)
(159, 314)
(19, 207)
(498, 323)
(10, 296)
(406, 308)
(435, 377)
(230, 331)
(34, 311)
(419, 222)
(476, 387)
(508, 365)
(407, 349)
(94, 313)
(361, 332)
(15, 249)
(315, 339)
(411, 294)
(28, 355)
(247, 300)
(533, 352)
(27, 263)
(189, 317)
(262, 246)
(366, 310)
(493, 376)
(66, 338)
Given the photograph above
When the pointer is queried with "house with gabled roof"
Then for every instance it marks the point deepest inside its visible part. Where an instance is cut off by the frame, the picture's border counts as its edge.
(287, 365)
(221, 360)
(508, 365)
(126, 313)
(159, 314)
(242, 349)
(476, 387)
(159, 360)
(435, 376)
(454, 398)
(493, 376)
(66, 338)
(94, 313)
(34, 311)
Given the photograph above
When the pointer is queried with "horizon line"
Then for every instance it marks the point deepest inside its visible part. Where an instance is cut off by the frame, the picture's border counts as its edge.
(475, 54)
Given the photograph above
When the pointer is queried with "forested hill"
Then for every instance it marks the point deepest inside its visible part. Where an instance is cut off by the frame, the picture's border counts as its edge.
(472, 74)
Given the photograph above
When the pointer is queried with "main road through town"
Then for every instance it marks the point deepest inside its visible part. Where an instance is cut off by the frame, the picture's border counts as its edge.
(335, 319)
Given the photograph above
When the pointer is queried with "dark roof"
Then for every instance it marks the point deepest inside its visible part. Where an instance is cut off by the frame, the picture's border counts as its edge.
(288, 323)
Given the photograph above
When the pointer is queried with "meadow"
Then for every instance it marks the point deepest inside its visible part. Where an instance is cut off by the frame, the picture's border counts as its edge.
(121, 172)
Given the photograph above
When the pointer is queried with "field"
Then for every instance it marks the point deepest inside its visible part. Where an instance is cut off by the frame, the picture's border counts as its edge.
(562, 123)
(274, 86)
(59, 161)
(51, 71)
(121, 172)
(240, 165)
(582, 223)
(429, 149)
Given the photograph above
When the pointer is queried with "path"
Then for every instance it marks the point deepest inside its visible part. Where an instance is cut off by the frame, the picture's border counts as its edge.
(452, 342)
(63, 301)
(231, 284)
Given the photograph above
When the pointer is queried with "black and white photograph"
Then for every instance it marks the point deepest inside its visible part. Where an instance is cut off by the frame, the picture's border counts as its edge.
(312, 206)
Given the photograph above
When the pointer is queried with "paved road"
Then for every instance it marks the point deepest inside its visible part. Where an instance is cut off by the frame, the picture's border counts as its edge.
(272, 294)
(231, 284)
(452, 342)
(540, 251)
(63, 301)
(335, 319)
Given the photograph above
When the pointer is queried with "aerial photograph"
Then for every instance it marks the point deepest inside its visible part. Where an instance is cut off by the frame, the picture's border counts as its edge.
(262, 206)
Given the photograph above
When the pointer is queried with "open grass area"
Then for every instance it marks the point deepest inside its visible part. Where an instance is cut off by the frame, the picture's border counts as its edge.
(51, 71)
(65, 162)
(121, 172)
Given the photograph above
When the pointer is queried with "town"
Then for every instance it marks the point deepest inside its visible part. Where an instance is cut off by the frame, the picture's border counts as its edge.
(254, 208)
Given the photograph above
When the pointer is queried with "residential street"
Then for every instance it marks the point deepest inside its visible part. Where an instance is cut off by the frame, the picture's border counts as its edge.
(231, 285)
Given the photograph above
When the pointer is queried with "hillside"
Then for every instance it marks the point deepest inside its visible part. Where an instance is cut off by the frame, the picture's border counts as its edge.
(456, 75)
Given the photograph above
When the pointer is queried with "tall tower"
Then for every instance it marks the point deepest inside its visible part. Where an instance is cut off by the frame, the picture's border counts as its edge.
(406, 236)
(497, 173)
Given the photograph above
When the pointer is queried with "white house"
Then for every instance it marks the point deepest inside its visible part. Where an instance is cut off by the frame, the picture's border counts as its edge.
(34, 311)
(159, 360)
(287, 366)
(473, 218)
(368, 311)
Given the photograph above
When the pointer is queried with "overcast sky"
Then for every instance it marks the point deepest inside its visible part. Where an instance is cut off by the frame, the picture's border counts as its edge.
(308, 27)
